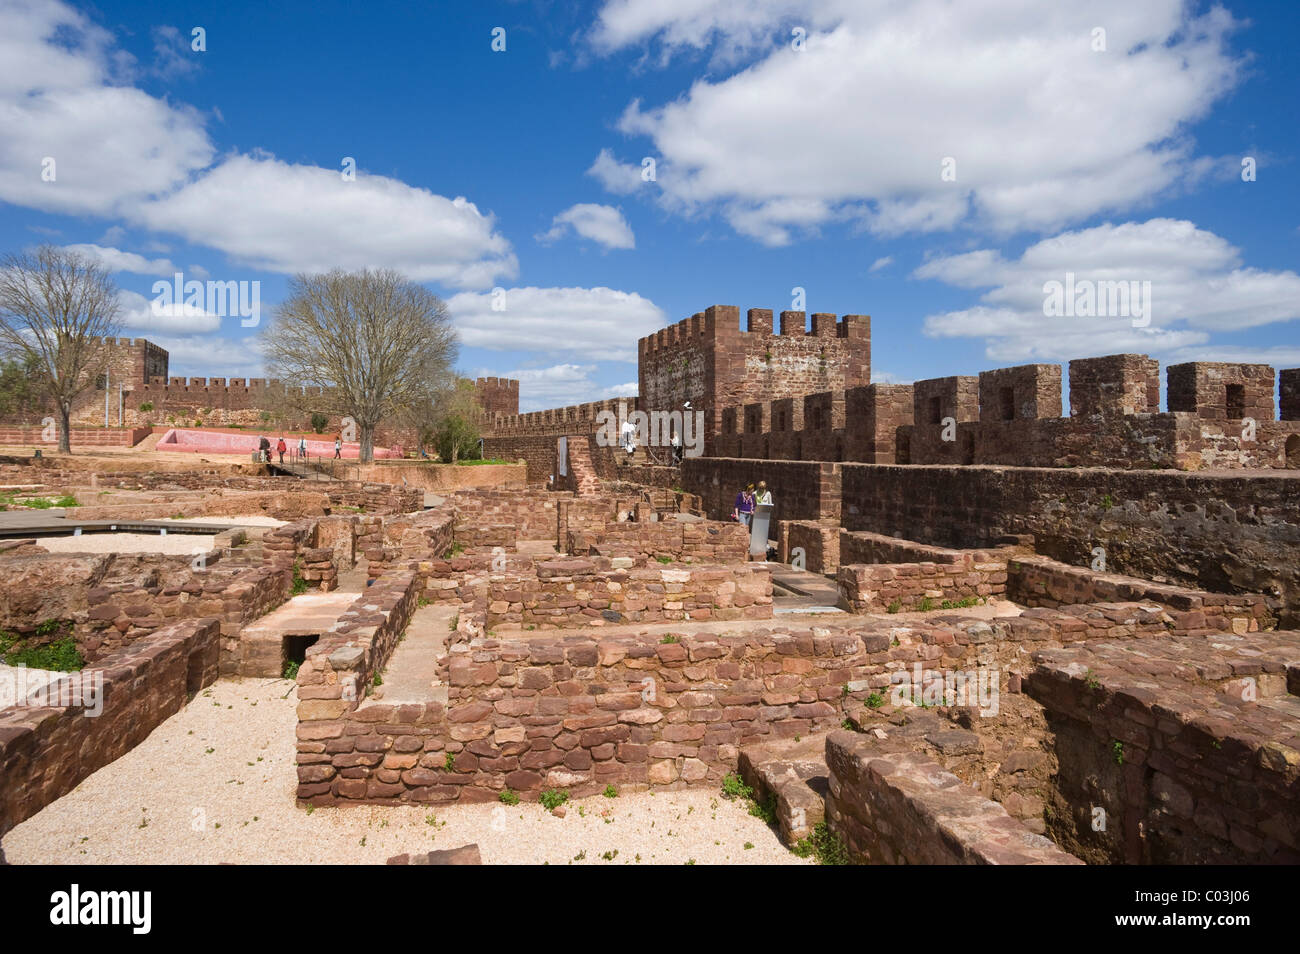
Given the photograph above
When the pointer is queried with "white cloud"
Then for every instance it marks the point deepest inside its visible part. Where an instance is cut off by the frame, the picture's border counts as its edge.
(281, 217)
(173, 54)
(141, 314)
(593, 323)
(205, 355)
(111, 145)
(603, 224)
(621, 178)
(880, 263)
(560, 385)
(1044, 130)
(1198, 285)
(119, 152)
(119, 261)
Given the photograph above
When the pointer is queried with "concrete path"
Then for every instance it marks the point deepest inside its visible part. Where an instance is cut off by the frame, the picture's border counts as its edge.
(412, 672)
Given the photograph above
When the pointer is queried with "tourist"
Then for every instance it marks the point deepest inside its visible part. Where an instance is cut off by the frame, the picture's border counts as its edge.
(302, 449)
(743, 511)
(676, 441)
(629, 437)
(264, 450)
(281, 447)
(764, 497)
(338, 447)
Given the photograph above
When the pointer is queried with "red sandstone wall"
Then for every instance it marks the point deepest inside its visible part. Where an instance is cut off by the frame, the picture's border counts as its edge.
(46, 751)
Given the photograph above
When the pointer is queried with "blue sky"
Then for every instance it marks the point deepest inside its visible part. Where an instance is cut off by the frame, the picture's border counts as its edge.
(796, 144)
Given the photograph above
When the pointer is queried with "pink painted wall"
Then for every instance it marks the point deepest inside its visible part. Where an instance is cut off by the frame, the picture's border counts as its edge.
(215, 442)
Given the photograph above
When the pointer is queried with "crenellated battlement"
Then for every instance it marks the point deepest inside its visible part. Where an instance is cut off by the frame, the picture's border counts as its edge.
(1221, 416)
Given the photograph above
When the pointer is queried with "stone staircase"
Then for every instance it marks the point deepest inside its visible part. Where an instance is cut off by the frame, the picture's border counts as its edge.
(792, 775)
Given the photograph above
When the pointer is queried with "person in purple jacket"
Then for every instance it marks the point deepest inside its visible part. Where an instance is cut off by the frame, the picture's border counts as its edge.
(744, 508)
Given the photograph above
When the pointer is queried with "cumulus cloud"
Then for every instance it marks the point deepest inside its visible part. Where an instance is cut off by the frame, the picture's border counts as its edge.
(117, 151)
(71, 140)
(141, 314)
(593, 323)
(1043, 131)
(282, 217)
(173, 54)
(1198, 285)
(561, 385)
(602, 224)
(621, 178)
(205, 354)
(117, 260)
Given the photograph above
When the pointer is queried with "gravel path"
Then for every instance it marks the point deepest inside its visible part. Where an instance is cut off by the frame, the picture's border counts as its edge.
(215, 783)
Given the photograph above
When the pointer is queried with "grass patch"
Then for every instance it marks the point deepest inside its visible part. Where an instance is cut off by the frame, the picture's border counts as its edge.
(508, 797)
(61, 655)
(894, 606)
(553, 798)
(822, 845)
(670, 638)
(37, 503)
(299, 584)
(291, 669)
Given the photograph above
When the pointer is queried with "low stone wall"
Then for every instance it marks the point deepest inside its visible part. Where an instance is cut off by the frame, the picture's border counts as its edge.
(77, 436)
(107, 602)
(579, 712)
(46, 751)
(897, 807)
(587, 592)
(410, 542)
(680, 541)
(820, 544)
(441, 478)
(534, 513)
(120, 615)
(1179, 745)
(862, 547)
(1039, 581)
(881, 587)
(281, 504)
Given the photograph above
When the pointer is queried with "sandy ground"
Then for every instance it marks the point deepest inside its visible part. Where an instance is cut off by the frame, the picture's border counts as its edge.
(173, 543)
(249, 520)
(215, 783)
(130, 543)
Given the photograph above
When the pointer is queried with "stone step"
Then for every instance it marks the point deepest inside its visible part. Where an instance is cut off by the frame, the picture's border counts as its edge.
(793, 775)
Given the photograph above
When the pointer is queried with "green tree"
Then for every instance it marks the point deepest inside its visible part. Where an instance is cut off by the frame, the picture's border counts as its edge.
(20, 396)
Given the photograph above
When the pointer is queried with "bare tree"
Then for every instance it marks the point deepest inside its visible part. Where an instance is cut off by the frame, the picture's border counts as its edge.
(380, 346)
(56, 306)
